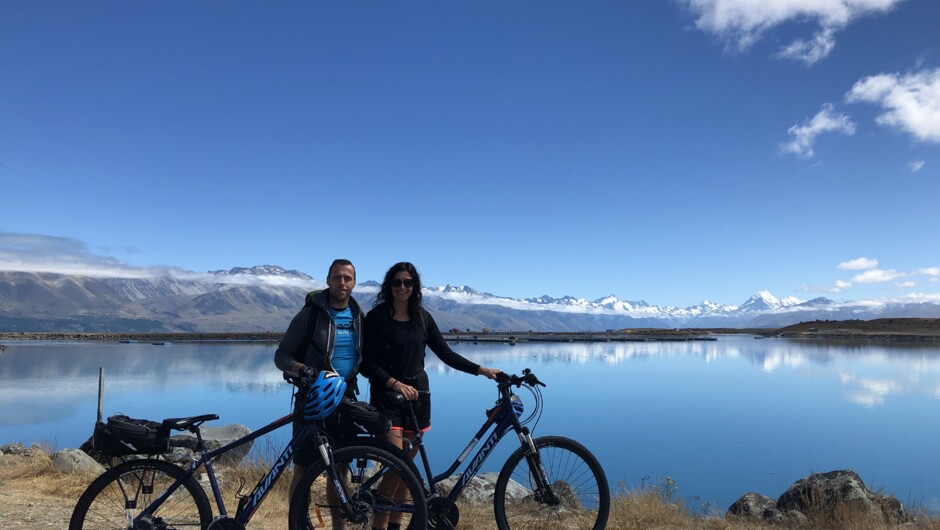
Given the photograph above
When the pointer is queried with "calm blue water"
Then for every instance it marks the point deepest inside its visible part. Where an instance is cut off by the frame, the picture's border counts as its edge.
(721, 418)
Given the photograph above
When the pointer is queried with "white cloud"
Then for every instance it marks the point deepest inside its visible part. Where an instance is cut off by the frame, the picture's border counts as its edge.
(827, 120)
(877, 276)
(42, 253)
(810, 51)
(842, 284)
(911, 102)
(39, 253)
(905, 285)
(932, 272)
(915, 165)
(741, 23)
(858, 264)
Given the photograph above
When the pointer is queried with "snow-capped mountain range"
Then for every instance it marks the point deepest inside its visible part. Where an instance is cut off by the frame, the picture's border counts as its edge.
(265, 298)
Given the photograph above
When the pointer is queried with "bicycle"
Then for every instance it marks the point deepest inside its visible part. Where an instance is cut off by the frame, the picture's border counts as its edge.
(548, 482)
(154, 494)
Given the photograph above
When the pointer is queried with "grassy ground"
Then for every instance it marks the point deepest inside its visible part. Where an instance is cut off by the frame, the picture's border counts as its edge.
(33, 495)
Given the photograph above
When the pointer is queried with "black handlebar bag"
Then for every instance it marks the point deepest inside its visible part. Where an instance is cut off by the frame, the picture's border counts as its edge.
(354, 417)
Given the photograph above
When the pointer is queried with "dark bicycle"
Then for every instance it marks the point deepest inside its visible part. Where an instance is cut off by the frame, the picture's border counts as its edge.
(154, 494)
(548, 482)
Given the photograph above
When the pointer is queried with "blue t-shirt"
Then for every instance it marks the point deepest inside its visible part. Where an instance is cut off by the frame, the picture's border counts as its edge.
(344, 344)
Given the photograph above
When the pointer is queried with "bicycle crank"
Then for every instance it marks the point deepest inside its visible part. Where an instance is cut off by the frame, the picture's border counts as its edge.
(442, 514)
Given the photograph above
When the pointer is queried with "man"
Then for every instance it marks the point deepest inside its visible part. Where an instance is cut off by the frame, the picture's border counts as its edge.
(324, 335)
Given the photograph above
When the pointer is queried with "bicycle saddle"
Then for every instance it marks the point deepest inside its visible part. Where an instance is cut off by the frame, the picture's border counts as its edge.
(181, 424)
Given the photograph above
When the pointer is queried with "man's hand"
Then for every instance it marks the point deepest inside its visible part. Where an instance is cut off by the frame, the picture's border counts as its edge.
(307, 375)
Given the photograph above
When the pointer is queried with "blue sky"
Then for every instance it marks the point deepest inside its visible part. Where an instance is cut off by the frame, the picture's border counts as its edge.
(669, 151)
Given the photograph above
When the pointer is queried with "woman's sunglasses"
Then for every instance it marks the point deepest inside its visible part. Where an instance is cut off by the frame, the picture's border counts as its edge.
(408, 284)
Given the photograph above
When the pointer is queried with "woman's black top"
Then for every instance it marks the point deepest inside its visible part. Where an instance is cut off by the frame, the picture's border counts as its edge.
(393, 349)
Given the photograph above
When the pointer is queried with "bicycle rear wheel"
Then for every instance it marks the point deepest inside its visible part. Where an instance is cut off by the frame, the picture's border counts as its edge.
(120, 494)
(378, 484)
(576, 479)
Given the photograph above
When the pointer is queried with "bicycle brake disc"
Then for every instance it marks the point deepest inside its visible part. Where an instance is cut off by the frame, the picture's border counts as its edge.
(442, 514)
(225, 523)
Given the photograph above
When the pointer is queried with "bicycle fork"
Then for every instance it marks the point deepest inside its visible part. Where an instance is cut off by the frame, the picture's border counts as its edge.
(543, 489)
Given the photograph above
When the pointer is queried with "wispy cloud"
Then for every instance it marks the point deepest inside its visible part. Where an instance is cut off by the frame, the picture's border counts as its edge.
(42, 253)
(39, 253)
(812, 50)
(877, 276)
(932, 272)
(826, 120)
(741, 23)
(858, 264)
(905, 285)
(915, 165)
(911, 102)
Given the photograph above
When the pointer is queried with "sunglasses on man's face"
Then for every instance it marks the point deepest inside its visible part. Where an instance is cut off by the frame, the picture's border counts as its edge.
(408, 284)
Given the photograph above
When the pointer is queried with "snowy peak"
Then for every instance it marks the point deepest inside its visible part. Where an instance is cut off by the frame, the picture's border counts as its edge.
(262, 270)
(761, 301)
(816, 302)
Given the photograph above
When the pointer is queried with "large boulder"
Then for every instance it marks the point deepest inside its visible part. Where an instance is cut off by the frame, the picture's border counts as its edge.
(480, 489)
(823, 497)
(75, 461)
(841, 494)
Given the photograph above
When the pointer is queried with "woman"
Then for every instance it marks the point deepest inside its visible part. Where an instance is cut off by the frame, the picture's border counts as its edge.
(395, 334)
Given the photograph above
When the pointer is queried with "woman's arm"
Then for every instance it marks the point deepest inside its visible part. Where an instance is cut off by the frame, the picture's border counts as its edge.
(440, 347)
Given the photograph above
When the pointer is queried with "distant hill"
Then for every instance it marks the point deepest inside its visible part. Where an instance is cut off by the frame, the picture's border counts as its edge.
(264, 298)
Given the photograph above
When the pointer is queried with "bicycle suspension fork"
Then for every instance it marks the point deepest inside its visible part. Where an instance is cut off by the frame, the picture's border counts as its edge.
(543, 488)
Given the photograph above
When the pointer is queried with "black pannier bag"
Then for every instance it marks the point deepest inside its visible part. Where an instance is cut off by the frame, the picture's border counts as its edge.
(122, 436)
(354, 417)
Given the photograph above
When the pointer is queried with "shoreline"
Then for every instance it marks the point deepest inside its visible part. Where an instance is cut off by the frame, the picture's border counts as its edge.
(925, 331)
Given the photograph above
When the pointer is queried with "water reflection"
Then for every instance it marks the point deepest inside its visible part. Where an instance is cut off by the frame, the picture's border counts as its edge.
(721, 417)
(869, 373)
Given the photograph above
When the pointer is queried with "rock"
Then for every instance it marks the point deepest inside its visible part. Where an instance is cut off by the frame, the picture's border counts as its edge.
(216, 437)
(481, 488)
(75, 461)
(15, 448)
(752, 506)
(841, 491)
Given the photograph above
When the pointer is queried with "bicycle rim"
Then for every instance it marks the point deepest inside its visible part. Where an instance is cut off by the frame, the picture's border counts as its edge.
(380, 487)
(577, 481)
(119, 495)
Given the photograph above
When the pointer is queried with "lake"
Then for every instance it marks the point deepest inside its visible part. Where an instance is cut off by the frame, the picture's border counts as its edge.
(720, 418)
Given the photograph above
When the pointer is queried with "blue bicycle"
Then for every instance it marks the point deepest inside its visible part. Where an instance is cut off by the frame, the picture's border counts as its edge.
(154, 494)
(548, 482)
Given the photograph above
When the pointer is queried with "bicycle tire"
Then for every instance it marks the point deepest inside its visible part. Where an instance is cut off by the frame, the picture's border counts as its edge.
(121, 493)
(577, 478)
(313, 506)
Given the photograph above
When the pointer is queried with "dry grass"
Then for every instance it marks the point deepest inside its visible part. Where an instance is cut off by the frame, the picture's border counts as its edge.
(34, 495)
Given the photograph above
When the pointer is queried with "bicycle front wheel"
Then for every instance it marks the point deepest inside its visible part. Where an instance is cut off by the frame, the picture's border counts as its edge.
(579, 498)
(120, 494)
(379, 488)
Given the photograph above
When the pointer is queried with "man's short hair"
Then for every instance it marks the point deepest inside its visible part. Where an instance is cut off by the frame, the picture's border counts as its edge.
(339, 263)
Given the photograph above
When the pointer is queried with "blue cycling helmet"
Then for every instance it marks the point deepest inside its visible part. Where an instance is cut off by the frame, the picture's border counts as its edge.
(324, 395)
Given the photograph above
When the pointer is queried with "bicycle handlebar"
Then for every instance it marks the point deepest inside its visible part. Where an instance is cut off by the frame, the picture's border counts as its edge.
(527, 378)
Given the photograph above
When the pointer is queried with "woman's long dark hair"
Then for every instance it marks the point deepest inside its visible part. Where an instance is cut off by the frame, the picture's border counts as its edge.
(385, 293)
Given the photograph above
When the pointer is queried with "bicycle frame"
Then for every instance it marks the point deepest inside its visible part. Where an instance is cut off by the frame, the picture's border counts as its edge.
(504, 418)
(261, 489)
